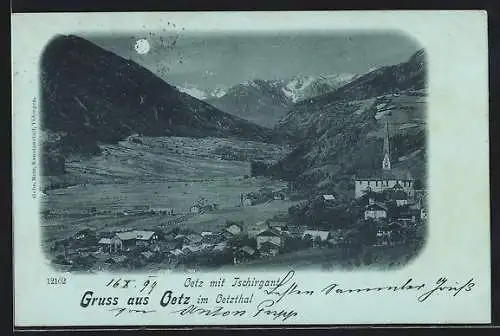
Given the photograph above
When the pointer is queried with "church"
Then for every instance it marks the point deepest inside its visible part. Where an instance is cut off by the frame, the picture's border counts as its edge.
(386, 178)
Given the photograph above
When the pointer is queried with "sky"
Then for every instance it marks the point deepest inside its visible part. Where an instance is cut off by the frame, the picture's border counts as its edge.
(220, 61)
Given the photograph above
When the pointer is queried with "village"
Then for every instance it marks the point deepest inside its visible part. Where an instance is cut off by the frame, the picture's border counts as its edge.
(388, 216)
(387, 210)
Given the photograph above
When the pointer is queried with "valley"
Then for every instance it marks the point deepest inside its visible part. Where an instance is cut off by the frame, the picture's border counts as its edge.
(144, 173)
(139, 174)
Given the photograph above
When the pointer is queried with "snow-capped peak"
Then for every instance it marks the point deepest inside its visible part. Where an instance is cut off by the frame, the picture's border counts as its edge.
(194, 92)
(218, 92)
(303, 87)
(202, 94)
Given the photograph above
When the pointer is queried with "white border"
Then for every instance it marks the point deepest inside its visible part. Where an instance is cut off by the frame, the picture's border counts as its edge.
(458, 246)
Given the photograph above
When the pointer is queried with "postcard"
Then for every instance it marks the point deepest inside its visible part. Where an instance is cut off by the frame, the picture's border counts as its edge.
(250, 168)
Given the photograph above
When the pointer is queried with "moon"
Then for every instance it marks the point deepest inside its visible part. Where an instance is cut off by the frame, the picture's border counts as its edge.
(142, 46)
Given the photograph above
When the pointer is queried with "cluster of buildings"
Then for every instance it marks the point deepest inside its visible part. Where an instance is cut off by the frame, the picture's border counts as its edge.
(263, 196)
(234, 243)
(391, 197)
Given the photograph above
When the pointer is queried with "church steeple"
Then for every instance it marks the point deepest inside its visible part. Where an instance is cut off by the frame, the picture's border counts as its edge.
(386, 163)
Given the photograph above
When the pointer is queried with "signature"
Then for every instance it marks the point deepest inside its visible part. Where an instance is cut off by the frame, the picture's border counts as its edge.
(263, 309)
(129, 310)
(286, 287)
(440, 286)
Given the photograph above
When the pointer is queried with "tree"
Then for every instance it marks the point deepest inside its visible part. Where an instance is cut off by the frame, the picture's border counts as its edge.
(418, 184)
(368, 232)
(317, 241)
(293, 244)
(308, 240)
(174, 231)
(258, 168)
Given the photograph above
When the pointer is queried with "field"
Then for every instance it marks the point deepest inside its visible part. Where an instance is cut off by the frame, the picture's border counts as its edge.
(160, 173)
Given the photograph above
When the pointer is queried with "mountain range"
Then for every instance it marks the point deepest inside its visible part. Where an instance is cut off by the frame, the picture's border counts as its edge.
(91, 96)
(260, 101)
(341, 132)
(265, 102)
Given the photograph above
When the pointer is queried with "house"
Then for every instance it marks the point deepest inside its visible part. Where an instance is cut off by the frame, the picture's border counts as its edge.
(243, 254)
(269, 235)
(422, 204)
(328, 197)
(119, 259)
(105, 244)
(129, 239)
(194, 239)
(146, 238)
(189, 249)
(384, 237)
(279, 226)
(401, 202)
(168, 236)
(166, 246)
(280, 196)
(323, 236)
(207, 247)
(84, 238)
(175, 254)
(256, 228)
(260, 224)
(336, 237)
(423, 213)
(219, 247)
(269, 248)
(147, 255)
(398, 195)
(84, 234)
(232, 230)
(180, 237)
(408, 213)
(294, 231)
(206, 233)
(375, 210)
(253, 232)
(194, 209)
(162, 211)
(247, 201)
(212, 238)
(123, 241)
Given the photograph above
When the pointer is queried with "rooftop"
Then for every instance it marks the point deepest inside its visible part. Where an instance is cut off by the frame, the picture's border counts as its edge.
(248, 250)
(128, 235)
(233, 229)
(385, 175)
(144, 235)
(136, 234)
(268, 233)
(269, 244)
(316, 233)
(105, 241)
(376, 205)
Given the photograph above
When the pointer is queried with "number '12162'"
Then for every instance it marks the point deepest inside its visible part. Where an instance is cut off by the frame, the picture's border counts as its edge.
(56, 281)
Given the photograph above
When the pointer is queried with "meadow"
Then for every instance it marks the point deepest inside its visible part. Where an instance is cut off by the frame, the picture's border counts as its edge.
(171, 173)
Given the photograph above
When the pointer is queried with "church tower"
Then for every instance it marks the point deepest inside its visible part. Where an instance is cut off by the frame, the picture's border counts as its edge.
(386, 163)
